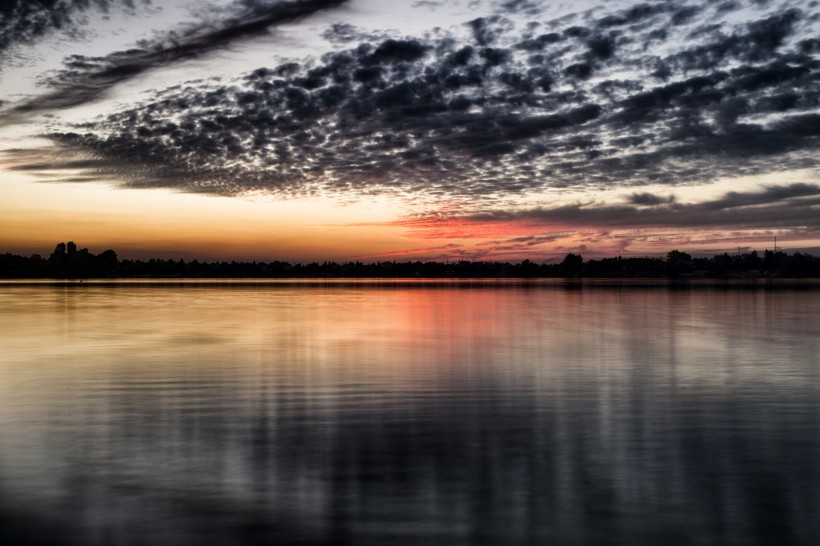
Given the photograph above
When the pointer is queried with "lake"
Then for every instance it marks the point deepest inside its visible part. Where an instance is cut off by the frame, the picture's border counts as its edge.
(408, 413)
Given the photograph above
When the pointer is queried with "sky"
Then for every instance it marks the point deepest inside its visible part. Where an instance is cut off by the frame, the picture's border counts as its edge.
(312, 130)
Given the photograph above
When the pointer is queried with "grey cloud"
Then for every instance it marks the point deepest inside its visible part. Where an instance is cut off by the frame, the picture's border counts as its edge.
(430, 4)
(790, 206)
(769, 195)
(540, 42)
(527, 7)
(342, 33)
(635, 14)
(86, 79)
(650, 199)
(392, 51)
(22, 22)
(727, 6)
(757, 41)
(521, 243)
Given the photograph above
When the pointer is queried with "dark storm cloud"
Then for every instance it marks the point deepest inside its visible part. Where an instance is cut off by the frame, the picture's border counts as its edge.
(501, 111)
(86, 79)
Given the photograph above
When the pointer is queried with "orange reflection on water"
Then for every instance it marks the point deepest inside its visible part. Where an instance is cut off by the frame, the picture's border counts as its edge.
(396, 412)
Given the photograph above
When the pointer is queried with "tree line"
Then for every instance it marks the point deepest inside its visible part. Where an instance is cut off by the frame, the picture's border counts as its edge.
(69, 262)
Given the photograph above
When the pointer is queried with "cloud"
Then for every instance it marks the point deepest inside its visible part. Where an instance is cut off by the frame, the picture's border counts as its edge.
(503, 111)
(649, 199)
(639, 13)
(428, 253)
(788, 206)
(23, 22)
(86, 79)
(342, 33)
(758, 41)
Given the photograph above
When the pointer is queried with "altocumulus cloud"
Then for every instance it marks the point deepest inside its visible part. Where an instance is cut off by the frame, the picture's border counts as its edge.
(659, 93)
(23, 22)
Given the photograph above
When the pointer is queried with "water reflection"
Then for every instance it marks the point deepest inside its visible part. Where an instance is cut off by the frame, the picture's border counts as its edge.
(149, 415)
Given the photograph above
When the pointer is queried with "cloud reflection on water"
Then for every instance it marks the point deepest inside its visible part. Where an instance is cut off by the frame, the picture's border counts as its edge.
(342, 415)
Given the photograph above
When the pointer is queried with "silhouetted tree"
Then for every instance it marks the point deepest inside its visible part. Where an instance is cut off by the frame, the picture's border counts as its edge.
(677, 257)
(68, 262)
(59, 253)
(571, 265)
(678, 263)
(107, 261)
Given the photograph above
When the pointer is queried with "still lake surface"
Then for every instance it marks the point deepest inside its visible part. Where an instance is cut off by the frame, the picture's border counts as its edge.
(265, 413)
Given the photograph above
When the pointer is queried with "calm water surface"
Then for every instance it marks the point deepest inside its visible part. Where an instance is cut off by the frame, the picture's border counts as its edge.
(258, 414)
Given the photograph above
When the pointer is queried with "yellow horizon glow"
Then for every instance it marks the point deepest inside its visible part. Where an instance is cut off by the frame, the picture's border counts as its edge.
(162, 223)
(36, 214)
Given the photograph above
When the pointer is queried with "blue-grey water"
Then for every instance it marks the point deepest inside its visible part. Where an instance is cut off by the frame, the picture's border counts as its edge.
(360, 414)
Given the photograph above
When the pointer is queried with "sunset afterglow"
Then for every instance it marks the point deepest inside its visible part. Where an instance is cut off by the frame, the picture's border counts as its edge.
(317, 130)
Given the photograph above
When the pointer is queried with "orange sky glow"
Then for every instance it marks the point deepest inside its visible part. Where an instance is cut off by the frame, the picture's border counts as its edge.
(371, 131)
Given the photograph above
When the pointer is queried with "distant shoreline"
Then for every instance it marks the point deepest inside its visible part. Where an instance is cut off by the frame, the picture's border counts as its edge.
(67, 262)
(427, 283)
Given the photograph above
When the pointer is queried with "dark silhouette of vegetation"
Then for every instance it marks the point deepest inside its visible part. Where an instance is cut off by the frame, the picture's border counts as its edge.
(67, 262)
